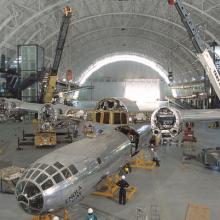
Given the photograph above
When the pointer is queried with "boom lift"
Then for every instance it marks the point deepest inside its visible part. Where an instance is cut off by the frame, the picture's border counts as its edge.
(52, 79)
(201, 49)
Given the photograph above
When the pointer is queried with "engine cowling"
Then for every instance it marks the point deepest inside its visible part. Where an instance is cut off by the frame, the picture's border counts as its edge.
(47, 116)
(166, 120)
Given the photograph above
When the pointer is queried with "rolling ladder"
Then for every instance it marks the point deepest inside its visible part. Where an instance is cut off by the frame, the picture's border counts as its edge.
(154, 212)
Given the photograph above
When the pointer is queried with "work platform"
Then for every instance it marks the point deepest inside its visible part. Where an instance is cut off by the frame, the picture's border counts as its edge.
(141, 161)
(108, 188)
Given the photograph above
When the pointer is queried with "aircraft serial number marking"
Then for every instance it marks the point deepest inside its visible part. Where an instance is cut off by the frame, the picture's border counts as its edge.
(76, 194)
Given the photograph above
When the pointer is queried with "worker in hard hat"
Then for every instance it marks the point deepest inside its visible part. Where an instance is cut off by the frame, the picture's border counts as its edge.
(91, 215)
(123, 184)
(155, 157)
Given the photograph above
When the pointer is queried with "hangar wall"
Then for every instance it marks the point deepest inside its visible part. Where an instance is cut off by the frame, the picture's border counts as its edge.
(142, 90)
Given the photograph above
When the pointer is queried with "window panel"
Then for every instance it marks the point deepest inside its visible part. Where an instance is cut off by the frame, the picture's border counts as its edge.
(58, 178)
(35, 174)
(58, 165)
(29, 173)
(66, 173)
(98, 116)
(37, 202)
(123, 118)
(73, 169)
(41, 178)
(43, 166)
(106, 118)
(51, 170)
(31, 190)
(20, 187)
(47, 185)
(117, 119)
(36, 165)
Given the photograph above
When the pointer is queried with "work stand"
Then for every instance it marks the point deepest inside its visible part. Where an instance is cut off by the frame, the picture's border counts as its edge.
(108, 188)
(65, 216)
(141, 162)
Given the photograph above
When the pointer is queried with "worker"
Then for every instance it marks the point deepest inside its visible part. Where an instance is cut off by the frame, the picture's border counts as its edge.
(152, 140)
(75, 130)
(91, 215)
(127, 168)
(122, 191)
(155, 157)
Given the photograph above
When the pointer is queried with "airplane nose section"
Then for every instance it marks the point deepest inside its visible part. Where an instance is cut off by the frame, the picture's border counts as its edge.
(29, 197)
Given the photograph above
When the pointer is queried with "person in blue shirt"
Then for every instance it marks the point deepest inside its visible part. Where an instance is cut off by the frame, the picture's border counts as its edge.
(91, 215)
(122, 191)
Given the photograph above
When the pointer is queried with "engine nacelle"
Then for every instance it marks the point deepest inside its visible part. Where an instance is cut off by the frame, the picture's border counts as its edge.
(7, 106)
(166, 120)
(47, 116)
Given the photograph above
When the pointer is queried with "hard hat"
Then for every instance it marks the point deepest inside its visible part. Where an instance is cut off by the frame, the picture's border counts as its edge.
(56, 218)
(123, 177)
(90, 210)
(152, 149)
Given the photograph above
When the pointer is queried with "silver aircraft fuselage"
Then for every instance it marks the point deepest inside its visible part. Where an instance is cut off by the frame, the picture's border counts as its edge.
(63, 177)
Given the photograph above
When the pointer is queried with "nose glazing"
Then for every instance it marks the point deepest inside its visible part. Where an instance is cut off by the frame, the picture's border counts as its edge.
(29, 197)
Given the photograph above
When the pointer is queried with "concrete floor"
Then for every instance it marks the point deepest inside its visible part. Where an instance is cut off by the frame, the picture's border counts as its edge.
(170, 187)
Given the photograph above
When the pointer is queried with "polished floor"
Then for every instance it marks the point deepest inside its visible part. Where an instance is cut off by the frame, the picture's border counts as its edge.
(169, 188)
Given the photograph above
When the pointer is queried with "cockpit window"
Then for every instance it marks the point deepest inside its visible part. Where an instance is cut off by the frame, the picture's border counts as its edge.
(20, 187)
(73, 169)
(51, 170)
(35, 165)
(58, 178)
(58, 165)
(24, 173)
(43, 166)
(41, 178)
(36, 202)
(35, 174)
(47, 185)
(31, 190)
(66, 173)
(29, 173)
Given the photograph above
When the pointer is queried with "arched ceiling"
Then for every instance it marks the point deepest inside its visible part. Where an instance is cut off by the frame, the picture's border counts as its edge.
(101, 27)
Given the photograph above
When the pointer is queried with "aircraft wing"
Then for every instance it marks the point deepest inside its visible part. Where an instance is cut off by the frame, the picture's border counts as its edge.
(200, 114)
(31, 107)
(170, 120)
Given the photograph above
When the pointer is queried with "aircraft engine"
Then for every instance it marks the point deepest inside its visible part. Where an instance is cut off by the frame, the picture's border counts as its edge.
(6, 108)
(166, 120)
(47, 116)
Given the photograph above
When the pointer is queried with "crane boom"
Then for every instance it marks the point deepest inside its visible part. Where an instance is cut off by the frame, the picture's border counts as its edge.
(58, 54)
(200, 46)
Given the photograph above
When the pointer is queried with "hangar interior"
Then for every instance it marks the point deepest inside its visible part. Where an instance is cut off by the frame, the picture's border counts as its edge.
(60, 58)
